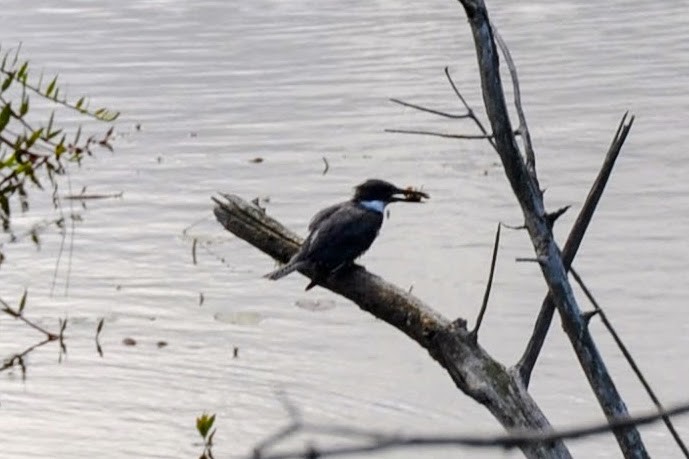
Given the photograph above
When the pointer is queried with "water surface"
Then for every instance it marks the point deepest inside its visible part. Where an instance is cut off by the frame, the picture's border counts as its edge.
(216, 84)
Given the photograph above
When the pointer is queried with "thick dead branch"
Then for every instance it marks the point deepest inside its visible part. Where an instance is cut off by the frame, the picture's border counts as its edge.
(630, 360)
(545, 316)
(367, 441)
(474, 372)
(526, 188)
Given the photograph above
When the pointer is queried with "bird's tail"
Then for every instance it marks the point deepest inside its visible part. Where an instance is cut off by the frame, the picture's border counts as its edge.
(285, 270)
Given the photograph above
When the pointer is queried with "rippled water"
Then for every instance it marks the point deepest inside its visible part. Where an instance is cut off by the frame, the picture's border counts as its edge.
(215, 84)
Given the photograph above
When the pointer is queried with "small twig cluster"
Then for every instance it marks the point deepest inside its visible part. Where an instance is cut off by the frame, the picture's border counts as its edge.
(17, 360)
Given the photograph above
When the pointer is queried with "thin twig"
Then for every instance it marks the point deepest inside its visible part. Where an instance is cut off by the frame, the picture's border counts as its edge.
(489, 284)
(523, 128)
(64, 102)
(527, 362)
(527, 260)
(441, 134)
(470, 111)
(430, 110)
(514, 227)
(327, 166)
(18, 359)
(380, 441)
(630, 360)
(83, 197)
(18, 315)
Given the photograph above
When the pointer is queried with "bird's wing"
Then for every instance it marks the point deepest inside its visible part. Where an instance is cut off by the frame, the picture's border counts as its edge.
(322, 215)
(342, 234)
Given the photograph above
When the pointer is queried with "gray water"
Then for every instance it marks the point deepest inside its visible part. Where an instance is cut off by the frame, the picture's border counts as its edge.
(215, 84)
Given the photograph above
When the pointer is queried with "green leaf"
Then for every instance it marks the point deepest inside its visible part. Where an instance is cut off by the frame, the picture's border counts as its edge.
(24, 107)
(53, 134)
(204, 423)
(77, 136)
(60, 147)
(22, 302)
(8, 81)
(5, 115)
(32, 176)
(80, 102)
(22, 71)
(34, 137)
(34, 239)
(51, 87)
(10, 161)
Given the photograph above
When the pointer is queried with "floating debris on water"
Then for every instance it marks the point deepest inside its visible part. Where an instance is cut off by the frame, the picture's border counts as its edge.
(315, 305)
(239, 317)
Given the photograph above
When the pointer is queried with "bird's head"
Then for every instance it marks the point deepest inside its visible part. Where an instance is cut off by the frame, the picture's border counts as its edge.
(375, 190)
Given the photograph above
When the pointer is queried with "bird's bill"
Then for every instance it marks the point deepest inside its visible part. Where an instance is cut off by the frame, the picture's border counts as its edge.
(409, 194)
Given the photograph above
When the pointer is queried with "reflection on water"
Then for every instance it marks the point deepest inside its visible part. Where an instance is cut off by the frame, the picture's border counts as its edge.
(214, 85)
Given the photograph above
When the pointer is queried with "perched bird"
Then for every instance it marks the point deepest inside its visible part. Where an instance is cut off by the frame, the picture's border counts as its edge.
(339, 234)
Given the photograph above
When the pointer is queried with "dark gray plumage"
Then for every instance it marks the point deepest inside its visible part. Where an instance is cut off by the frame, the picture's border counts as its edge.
(341, 233)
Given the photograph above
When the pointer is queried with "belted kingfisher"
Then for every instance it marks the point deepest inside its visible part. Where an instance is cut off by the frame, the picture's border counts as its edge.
(339, 234)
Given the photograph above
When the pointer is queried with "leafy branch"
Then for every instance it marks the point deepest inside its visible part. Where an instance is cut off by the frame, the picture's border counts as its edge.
(37, 152)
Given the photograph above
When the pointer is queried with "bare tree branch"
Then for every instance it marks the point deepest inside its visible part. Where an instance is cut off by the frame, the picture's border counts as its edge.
(372, 440)
(523, 128)
(19, 315)
(430, 110)
(18, 358)
(528, 193)
(473, 370)
(470, 111)
(440, 134)
(545, 316)
(630, 360)
(489, 284)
